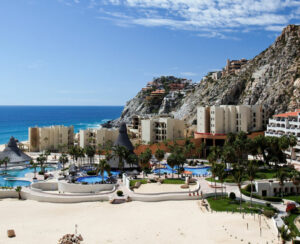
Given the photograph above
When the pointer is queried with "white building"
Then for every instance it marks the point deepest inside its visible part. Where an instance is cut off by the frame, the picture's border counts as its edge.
(273, 188)
(53, 138)
(286, 124)
(226, 119)
(97, 137)
(159, 129)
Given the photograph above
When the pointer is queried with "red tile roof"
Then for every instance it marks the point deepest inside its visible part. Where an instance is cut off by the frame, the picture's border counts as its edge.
(288, 114)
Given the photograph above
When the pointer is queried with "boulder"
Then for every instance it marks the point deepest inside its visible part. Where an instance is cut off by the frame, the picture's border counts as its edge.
(11, 233)
(185, 186)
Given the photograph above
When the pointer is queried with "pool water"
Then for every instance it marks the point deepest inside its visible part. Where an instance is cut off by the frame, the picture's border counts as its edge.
(195, 171)
(95, 179)
(18, 173)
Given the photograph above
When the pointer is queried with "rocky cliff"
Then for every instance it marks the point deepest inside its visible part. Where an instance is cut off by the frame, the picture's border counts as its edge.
(271, 78)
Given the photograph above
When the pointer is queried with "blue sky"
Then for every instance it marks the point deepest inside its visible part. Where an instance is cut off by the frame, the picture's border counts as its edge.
(102, 52)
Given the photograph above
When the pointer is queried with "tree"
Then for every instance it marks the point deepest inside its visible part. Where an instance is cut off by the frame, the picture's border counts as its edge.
(221, 174)
(122, 153)
(47, 153)
(251, 171)
(6, 161)
(144, 160)
(238, 174)
(214, 172)
(159, 154)
(41, 160)
(188, 148)
(102, 167)
(34, 166)
(132, 159)
(282, 177)
(90, 152)
(172, 161)
(18, 190)
(63, 159)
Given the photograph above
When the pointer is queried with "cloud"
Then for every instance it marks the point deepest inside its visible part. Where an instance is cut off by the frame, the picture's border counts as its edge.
(188, 74)
(208, 18)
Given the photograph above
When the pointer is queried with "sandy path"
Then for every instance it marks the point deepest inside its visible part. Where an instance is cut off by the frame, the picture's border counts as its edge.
(135, 222)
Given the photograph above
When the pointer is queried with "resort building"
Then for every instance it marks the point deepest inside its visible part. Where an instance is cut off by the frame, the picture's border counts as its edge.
(215, 122)
(286, 124)
(233, 66)
(96, 137)
(53, 138)
(158, 129)
(273, 188)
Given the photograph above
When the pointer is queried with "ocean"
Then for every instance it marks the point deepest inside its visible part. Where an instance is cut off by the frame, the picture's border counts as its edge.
(15, 120)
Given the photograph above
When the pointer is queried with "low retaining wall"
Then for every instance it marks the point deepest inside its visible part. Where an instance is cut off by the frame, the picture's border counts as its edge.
(45, 186)
(8, 193)
(80, 188)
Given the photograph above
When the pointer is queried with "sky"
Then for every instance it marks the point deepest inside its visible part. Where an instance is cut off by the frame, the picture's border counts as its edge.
(102, 52)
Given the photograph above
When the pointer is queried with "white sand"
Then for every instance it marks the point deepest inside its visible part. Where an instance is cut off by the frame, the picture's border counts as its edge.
(158, 188)
(135, 222)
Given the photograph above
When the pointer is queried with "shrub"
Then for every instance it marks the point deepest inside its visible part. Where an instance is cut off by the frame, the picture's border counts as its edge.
(41, 173)
(268, 213)
(232, 196)
(268, 204)
(273, 199)
(120, 193)
(91, 172)
(248, 188)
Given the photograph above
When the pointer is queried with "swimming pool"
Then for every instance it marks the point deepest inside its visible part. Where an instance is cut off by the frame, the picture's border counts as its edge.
(205, 170)
(95, 179)
(7, 177)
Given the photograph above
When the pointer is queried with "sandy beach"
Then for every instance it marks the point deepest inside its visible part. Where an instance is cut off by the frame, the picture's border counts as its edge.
(135, 222)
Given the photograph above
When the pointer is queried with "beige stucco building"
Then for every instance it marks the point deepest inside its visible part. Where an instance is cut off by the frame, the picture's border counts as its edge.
(97, 137)
(53, 138)
(158, 129)
(226, 119)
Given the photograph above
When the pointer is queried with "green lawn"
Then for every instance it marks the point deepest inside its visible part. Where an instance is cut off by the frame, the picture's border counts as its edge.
(261, 174)
(143, 181)
(290, 222)
(226, 204)
(173, 181)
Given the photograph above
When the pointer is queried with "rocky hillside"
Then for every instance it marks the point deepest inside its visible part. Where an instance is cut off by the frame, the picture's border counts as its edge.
(271, 78)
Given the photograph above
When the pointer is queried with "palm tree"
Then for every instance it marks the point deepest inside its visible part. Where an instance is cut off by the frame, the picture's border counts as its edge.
(282, 177)
(159, 154)
(238, 174)
(63, 159)
(172, 161)
(214, 171)
(221, 173)
(132, 159)
(90, 152)
(47, 153)
(41, 160)
(144, 160)
(251, 171)
(122, 153)
(34, 166)
(6, 161)
(18, 190)
(102, 167)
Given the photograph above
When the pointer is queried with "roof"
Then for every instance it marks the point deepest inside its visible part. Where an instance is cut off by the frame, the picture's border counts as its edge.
(13, 152)
(123, 139)
(288, 114)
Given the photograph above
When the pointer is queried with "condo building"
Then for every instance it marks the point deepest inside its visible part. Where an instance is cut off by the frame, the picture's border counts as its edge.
(215, 122)
(97, 137)
(158, 129)
(286, 124)
(233, 66)
(53, 138)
